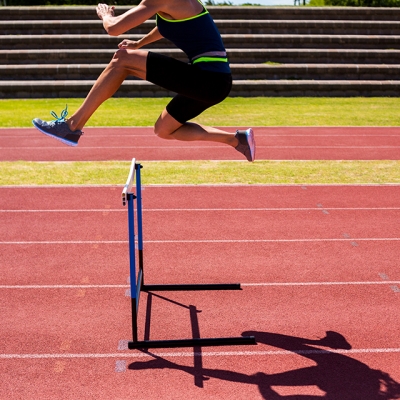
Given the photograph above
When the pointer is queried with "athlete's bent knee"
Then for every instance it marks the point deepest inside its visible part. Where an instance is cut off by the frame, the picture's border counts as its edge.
(120, 55)
(161, 132)
(129, 58)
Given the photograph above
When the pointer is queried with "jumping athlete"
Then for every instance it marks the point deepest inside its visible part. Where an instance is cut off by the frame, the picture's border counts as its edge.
(203, 82)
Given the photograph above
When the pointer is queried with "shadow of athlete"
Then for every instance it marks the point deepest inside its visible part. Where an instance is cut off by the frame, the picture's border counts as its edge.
(340, 376)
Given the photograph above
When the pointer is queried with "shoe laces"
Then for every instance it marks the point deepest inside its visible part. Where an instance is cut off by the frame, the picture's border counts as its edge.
(60, 118)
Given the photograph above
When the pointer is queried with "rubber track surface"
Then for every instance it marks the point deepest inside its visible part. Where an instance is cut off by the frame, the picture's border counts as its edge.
(273, 143)
(311, 260)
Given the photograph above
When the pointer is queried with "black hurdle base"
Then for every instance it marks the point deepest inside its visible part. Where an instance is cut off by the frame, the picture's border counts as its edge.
(191, 287)
(193, 342)
(201, 342)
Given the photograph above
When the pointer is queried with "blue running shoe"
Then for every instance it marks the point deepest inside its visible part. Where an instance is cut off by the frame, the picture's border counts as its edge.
(247, 144)
(58, 129)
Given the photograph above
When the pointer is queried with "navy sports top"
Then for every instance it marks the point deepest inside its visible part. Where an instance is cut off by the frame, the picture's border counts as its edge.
(199, 38)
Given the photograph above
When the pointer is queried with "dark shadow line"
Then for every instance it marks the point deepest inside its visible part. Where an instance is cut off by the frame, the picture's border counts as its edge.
(148, 316)
(170, 301)
(198, 356)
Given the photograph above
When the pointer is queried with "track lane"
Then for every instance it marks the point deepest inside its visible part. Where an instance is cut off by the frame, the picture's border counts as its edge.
(70, 336)
(273, 143)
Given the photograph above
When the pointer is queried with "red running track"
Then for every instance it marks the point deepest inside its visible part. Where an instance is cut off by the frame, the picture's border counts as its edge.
(311, 259)
(273, 143)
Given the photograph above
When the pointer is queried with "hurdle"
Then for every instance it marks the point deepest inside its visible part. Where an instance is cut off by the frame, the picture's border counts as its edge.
(136, 269)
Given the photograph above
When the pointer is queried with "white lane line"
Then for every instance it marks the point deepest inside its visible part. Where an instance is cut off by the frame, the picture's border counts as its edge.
(187, 147)
(271, 240)
(66, 242)
(126, 286)
(48, 242)
(118, 147)
(259, 134)
(331, 147)
(90, 210)
(134, 354)
(320, 283)
(104, 286)
(147, 131)
(209, 185)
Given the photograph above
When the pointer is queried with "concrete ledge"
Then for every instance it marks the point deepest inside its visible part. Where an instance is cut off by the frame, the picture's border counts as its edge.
(313, 88)
(236, 56)
(244, 26)
(231, 41)
(225, 12)
(248, 88)
(52, 72)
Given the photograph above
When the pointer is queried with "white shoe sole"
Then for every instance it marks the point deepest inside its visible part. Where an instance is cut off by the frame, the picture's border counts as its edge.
(251, 142)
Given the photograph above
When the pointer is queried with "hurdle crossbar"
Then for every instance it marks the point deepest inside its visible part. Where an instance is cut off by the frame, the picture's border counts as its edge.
(137, 284)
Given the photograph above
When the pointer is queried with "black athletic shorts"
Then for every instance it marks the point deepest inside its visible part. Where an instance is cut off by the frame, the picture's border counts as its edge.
(197, 89)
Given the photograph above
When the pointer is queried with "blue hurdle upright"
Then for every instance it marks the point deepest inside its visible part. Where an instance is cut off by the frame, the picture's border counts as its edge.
(137, 284)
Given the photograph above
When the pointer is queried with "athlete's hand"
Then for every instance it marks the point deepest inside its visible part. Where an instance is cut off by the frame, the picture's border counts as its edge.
(103, 10)
(129, 44)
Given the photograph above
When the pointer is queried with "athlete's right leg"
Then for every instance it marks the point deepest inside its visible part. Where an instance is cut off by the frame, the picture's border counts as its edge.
(125, 62)
(167, 127)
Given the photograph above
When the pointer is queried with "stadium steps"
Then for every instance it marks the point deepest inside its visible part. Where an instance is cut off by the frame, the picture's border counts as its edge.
(274, 51)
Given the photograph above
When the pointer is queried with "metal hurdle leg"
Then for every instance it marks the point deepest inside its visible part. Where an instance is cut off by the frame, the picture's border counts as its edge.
(132, 264)
(138, 167)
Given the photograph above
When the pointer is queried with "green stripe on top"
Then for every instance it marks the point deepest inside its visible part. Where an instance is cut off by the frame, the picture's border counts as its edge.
(209, 59)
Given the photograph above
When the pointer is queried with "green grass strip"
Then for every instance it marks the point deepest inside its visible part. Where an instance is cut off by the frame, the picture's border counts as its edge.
(258, 111)
(234, 111)
(201, 172)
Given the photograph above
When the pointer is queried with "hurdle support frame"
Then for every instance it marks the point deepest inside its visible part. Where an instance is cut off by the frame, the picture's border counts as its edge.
(137, 284)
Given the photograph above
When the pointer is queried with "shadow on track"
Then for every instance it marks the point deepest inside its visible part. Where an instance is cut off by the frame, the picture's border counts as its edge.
(340, 376)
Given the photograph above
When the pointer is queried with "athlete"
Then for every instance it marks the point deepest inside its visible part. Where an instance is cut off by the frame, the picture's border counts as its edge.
(204, 81)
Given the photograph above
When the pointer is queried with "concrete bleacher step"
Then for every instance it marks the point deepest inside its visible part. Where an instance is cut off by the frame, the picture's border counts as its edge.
(241, 88)
(303, 27)
(239, 71)
(71, 41)
(225, 12)
(307, 56)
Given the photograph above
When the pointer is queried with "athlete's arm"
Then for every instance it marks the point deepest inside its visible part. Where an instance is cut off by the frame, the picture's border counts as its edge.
(151, 37)
(116, 25)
